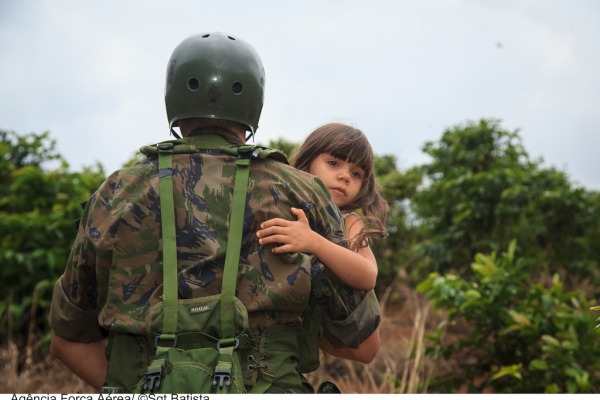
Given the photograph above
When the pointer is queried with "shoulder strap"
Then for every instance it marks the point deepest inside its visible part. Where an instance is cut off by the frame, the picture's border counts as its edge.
(234, 244)
(228, 343)
(165, 151)
(169, 242)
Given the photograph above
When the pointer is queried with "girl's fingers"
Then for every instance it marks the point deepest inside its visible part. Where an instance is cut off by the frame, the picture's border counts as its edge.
(282, 249)
(269, 231)
(273, 239)
(299, 213)
(274, 222)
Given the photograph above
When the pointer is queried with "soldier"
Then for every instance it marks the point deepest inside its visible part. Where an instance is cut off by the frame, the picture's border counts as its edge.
(114, 275)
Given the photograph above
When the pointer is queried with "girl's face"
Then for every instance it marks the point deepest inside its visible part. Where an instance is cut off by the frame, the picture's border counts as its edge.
(342, 179)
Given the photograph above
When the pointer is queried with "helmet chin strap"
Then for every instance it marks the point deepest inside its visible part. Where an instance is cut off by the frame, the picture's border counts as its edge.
(174, 133)
(250, 136)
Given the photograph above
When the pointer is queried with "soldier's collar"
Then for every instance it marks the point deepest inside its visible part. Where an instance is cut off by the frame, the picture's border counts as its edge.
(208, 140)
(212, 138)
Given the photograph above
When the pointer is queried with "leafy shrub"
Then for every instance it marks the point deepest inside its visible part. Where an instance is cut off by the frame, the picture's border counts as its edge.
(37, 209)
(523, 335)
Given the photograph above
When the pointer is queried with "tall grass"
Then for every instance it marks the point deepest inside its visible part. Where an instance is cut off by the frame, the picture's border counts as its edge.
(24, 370)
(46, 376)
(401, 365)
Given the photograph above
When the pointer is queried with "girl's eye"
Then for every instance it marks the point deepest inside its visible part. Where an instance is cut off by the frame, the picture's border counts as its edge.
(333, 163)
(357, 175)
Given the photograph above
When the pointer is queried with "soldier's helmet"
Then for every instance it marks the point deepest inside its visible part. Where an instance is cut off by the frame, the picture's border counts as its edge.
(215, 75)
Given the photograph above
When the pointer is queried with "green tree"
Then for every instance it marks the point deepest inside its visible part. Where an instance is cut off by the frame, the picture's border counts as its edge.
(482, 190)
(283, 145)
(38, 207)
(396, 254)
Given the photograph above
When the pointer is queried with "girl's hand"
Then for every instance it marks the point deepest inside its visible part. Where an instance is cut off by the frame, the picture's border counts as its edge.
(294, 236)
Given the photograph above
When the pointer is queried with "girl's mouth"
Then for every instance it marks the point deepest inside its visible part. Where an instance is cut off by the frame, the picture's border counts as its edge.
(339, 191)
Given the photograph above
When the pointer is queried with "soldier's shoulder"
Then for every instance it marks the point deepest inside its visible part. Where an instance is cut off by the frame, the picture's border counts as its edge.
(290, 172)
(138, 175)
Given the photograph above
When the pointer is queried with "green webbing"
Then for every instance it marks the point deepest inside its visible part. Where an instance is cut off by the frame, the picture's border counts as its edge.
(234, 245)
(169, 243)
(234, 242)
(192, 144)
(227, 343)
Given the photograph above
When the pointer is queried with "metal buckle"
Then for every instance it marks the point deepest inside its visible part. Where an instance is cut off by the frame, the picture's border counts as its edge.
(153, 379)
(157, 338)
(236, 344)
(224, 377)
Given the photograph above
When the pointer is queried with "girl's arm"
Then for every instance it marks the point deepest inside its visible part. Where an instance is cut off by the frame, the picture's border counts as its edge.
(356, 269)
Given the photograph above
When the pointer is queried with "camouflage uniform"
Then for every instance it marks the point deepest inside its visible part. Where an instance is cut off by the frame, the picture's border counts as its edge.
(114, 272)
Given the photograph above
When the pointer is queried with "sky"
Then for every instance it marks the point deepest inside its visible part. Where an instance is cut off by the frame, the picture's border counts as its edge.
(403, 71)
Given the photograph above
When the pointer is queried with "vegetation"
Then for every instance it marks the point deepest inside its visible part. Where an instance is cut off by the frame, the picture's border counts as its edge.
(483, 191)
(504, 252)
(524, 336)
(38, 207)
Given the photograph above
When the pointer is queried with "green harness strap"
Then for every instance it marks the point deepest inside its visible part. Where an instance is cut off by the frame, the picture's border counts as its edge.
(234, 244)
(228, 342)
(169, 242)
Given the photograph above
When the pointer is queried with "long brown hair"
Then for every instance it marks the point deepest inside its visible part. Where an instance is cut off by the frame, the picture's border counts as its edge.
(351, 145)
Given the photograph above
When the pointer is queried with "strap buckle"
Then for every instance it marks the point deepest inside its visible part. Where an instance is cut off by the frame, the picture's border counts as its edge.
(113, 390)
(157, 338)
(153, 378)
(226, 342)
(246, 151)
(223, 378)
(165, 146)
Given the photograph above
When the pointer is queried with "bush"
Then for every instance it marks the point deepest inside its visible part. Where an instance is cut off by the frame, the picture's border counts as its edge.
(523, 335)
(38, 207)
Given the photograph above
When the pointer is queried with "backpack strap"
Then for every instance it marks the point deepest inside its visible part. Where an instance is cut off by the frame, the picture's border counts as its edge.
(169, 242)
(228, 343)
(165, 152)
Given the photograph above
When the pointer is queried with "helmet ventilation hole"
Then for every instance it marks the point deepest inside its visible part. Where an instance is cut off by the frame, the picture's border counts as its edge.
(237, 87)
(205, 36)
(231, 37)
(193, 84)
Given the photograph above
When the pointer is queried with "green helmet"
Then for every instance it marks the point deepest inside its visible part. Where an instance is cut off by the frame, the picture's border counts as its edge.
(214, 75)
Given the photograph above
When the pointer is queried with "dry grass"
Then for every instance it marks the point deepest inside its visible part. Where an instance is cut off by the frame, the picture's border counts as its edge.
(400, 366)
(46, 376)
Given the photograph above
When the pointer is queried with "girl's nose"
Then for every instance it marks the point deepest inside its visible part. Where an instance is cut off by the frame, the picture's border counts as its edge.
(344, 175)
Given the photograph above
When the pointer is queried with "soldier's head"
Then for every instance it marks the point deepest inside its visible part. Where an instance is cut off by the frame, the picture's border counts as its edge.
(215, 76)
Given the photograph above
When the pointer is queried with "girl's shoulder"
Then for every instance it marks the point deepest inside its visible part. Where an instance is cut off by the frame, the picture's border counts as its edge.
(351, 215)
(351, 218)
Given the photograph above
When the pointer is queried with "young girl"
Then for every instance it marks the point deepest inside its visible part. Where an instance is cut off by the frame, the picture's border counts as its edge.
(341, 156)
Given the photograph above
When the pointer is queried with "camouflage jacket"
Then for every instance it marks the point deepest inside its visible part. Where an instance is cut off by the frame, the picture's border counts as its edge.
(114, 272)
